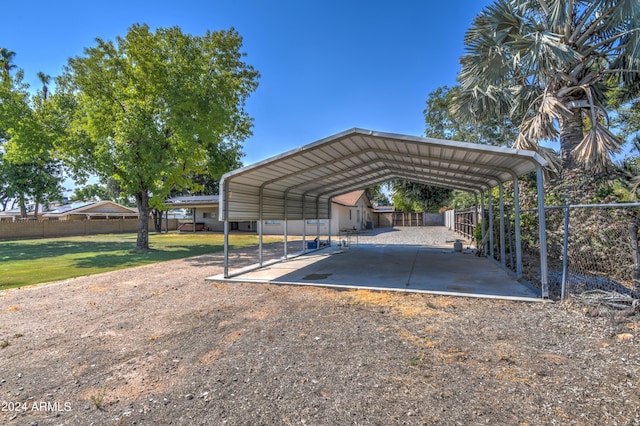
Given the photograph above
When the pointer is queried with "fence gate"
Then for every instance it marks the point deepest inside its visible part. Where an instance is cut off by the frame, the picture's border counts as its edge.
(407, 219)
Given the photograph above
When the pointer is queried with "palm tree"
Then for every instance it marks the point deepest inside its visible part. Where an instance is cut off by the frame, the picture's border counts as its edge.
(6, 59)
(552, 64)
(45, 80)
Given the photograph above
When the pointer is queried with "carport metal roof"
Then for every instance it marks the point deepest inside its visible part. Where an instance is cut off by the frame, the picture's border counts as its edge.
(300, 183)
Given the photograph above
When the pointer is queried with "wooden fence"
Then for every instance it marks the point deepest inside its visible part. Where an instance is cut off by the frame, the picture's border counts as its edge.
(66, 228)
(391, 219)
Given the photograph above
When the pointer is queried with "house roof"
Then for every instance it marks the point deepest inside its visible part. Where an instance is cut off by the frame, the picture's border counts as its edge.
(299, 184)
(193, 201)
(91, 208)
(350, 199)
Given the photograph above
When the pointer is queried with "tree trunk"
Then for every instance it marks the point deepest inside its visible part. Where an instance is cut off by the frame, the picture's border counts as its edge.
(157, 220)
(23, 207)
(571, 134)
(142, 201)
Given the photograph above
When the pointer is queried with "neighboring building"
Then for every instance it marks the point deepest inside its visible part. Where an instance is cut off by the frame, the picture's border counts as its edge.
(204, 212)
(14, 215)
(349, 211)
(85, 210)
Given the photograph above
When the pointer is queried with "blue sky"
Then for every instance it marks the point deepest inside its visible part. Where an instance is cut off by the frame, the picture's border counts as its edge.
(326, 66)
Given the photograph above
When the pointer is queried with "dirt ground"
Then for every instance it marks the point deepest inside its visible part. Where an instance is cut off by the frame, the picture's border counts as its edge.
(158, 345)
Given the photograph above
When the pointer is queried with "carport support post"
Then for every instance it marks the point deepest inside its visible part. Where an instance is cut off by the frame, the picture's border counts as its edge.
(304, 227)
(329, 222)
(475, 196)
(516, 207)
(260, 213)
(318, 221)
(544, 280)
(225, 218)
(483, 225)
(490, 223)
(503, 260)
(286, 205)
(226, 248)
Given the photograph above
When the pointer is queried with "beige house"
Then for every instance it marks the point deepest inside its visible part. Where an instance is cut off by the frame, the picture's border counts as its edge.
(348, 211)
(86, 210)
(351, 211)
(14, 215)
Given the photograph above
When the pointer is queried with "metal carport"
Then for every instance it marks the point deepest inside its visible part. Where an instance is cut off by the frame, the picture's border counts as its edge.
(299, 184)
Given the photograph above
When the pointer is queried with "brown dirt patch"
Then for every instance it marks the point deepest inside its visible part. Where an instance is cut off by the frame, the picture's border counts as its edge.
(160, 345)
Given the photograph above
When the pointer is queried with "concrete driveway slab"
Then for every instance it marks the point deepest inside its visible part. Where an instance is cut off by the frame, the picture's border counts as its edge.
(414, 267)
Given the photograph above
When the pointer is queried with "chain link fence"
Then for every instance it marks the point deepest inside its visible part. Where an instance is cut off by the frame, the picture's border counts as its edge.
(589, 248)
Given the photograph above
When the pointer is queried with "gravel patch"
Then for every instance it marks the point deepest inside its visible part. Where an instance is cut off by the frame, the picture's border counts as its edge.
(158, 345)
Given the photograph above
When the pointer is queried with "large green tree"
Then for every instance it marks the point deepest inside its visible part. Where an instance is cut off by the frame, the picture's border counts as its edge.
(414, 196)
(29, 130)
(441, 122)
(151, 106)
(551, 64)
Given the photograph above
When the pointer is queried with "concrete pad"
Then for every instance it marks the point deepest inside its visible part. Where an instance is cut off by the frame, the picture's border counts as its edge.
(413, 268)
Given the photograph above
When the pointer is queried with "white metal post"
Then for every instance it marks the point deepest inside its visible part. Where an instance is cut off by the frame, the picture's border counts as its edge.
(304, 227)
(318, 221)
(286, 205)
(260, 214)
(544, 279)
(483, 225)
(226, 248)
(516, 207)
(565, 255)
(475, 196)
(225, 217)
(329, 222)
(503, 256)
(490, 223)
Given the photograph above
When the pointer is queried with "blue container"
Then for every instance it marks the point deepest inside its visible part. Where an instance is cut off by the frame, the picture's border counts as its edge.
(312, 245)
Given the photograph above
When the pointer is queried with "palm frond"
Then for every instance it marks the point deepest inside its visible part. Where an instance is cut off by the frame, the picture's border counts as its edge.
(539, 127)
(633, 185)
(596, 148)
(553, 107)
(522, 142)
(554, 162)
(545, 52)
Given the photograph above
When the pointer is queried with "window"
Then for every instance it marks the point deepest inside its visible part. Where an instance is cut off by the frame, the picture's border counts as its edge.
(206, 215)
(315, 222)
(272, 222)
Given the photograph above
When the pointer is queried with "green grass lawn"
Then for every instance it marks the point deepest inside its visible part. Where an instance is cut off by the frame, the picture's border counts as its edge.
(26, 262)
